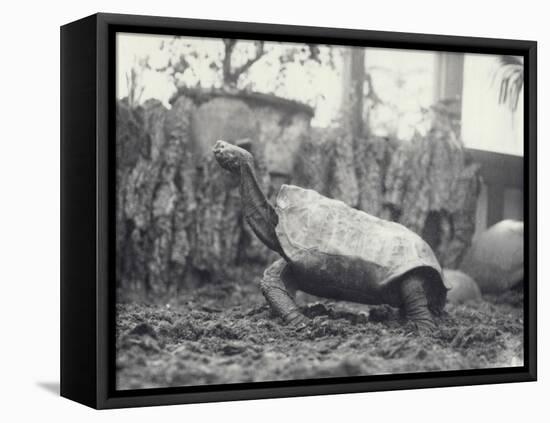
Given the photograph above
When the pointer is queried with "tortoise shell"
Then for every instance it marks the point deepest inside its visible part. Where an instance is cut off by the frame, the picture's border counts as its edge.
(329, 238)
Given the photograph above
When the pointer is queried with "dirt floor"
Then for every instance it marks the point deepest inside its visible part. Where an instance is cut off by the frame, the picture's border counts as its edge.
(227, 334)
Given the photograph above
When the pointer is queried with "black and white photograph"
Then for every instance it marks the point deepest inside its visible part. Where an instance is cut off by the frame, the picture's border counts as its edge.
(294, 211)
(275, 212)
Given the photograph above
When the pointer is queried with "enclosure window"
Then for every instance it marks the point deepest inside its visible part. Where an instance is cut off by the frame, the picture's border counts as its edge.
(486, 124)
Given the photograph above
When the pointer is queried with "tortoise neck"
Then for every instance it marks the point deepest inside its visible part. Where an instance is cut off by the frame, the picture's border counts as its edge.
(251, 194)
(258, 212)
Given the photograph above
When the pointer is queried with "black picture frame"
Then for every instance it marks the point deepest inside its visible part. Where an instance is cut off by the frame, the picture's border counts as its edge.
(87, 192)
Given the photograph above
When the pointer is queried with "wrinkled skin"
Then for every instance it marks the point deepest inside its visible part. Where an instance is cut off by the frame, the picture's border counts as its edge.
(284, 277)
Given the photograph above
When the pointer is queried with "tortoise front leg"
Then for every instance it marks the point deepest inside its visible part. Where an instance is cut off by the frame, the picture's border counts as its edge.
(278, 296)
(415, 304)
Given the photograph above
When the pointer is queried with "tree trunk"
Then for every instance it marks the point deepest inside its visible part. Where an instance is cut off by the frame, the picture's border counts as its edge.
(353, 78)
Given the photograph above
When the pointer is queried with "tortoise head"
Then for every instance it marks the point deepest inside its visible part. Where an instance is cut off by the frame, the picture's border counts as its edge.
(230, 156)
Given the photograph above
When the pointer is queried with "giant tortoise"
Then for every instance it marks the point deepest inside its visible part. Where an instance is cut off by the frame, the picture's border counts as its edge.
(334, 251)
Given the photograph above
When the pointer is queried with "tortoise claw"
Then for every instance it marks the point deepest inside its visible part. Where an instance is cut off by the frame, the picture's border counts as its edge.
(424, 327)
(296, 320)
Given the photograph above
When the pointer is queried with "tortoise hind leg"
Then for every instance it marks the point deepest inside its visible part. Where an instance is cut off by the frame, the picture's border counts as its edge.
(415, 304)
(277, 294)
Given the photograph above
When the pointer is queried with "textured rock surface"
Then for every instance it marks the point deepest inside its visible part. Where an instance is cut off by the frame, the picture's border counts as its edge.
(462, 287)
(325, 162)
(155, 196)
(229, 119)
(313, 162)
(281, 133)
(178, 213)
(495, 259)
(278, 125)
(371, 161)
(217, 226)
(432, 190)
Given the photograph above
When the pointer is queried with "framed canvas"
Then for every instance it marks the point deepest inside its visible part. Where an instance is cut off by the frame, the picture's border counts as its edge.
(258, 211)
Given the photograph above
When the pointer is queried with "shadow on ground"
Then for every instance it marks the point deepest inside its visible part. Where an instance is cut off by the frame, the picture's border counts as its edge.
(51, 387)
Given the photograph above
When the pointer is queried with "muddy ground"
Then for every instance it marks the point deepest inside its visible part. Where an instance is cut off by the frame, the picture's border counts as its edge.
(226, 333)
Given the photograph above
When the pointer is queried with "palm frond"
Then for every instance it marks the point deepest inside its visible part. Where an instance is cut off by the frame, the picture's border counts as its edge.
(509, 74)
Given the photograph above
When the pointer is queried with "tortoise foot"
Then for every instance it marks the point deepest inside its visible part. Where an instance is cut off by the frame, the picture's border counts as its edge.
(423, 327)
(297, 320)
